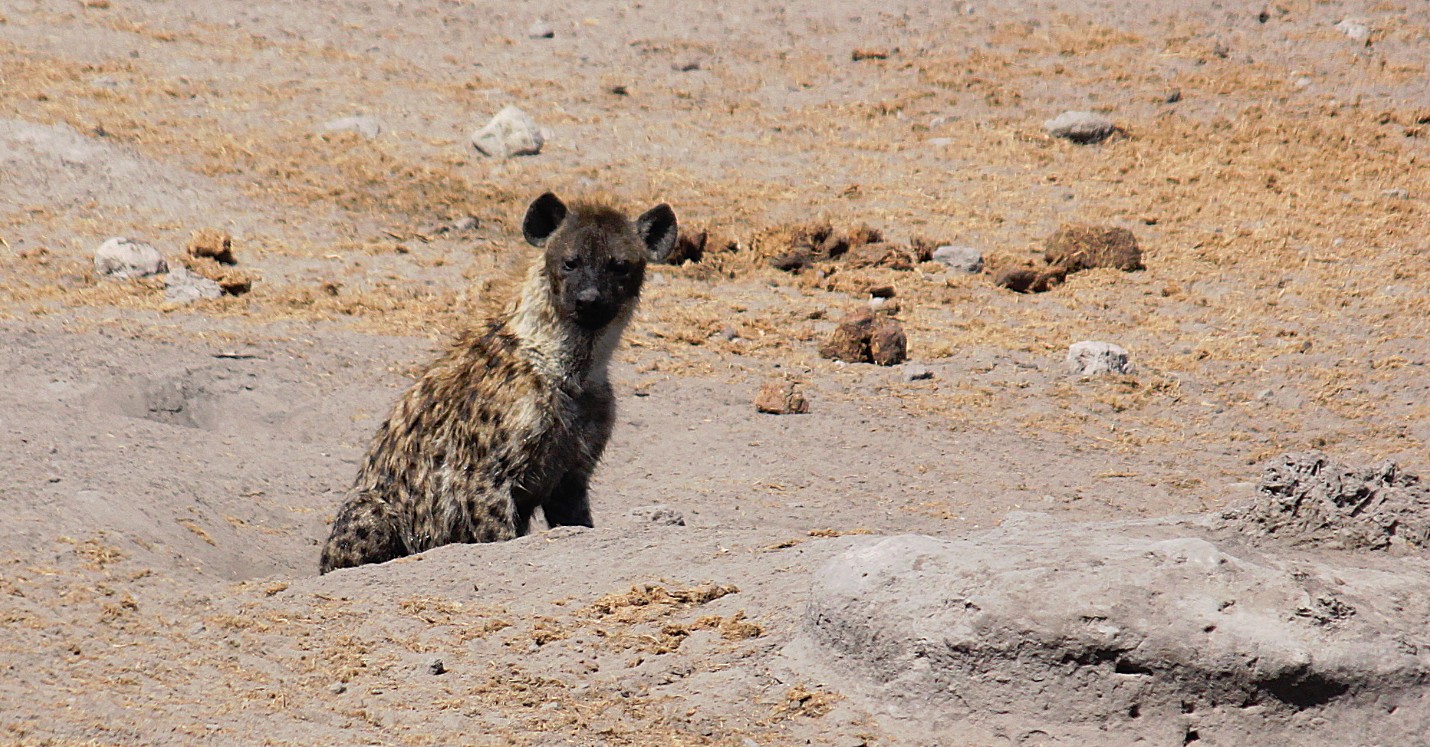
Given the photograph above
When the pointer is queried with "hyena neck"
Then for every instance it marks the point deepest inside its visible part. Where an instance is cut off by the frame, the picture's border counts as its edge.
(570, 357)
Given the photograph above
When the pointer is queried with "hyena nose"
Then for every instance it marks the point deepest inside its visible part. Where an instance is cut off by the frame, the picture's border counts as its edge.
(587, 297)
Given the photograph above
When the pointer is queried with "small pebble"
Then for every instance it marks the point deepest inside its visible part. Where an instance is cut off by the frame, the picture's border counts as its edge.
(959, 258)
(540, 29)
(184, 287)
(1354, 30)
(659, 515)
(781, 397)
(368, 127)
(338, 688)
(1080, 127)
(460, 225)
(1090, 358)
(436, 667)
(917, 373)
(1398, 193)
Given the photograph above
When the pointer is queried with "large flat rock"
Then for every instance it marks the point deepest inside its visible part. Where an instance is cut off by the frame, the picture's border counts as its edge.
(1129, 633)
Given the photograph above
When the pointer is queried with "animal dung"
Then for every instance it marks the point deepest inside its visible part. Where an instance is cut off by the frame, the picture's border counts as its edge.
(867, 337)
(1079, 247)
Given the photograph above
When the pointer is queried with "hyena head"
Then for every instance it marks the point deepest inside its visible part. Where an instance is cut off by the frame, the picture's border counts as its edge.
(595, 256)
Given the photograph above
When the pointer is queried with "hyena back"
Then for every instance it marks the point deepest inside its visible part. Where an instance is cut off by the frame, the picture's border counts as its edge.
(515, 415)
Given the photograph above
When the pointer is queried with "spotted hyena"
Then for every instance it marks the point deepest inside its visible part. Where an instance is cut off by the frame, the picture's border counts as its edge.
(515, 415)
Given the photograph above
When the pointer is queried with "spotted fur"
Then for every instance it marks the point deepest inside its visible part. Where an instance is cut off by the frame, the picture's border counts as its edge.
(515, 415)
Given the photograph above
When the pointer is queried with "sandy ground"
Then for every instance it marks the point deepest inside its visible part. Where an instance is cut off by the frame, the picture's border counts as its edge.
(170, 470)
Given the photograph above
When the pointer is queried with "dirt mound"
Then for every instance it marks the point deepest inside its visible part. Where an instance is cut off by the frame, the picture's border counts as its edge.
(1115, 633)
(1311, 499)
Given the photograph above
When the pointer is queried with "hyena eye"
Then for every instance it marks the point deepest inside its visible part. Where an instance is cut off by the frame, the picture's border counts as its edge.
(620, 267)
(571, 263)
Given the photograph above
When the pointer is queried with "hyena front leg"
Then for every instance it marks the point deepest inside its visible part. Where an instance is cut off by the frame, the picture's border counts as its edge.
(569, 504)
(493, 515)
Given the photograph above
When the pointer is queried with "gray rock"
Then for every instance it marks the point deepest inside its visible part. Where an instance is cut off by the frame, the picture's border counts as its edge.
(338, 688)
(917, 373)
(460, 225)
(540, 29)
(1080, 127)
(1122, 633)
(1354, 29)
(184, 287)
(368, 127)
(658, 515)
(436, 667)
(1396, 193)
(510, 133)
(1089, 358)
(959, 258)
(126, 258)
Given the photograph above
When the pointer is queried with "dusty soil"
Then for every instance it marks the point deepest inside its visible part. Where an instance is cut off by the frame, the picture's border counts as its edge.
(169, 469)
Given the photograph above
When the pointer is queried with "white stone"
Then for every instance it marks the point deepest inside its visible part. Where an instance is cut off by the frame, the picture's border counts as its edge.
(126, 258)
(182, 286)
(1089, 358)
(1354, 29)
(368, 127)
(540, 29)
(1080, 127)
(959, 258)
(512, 132)
(916, 373)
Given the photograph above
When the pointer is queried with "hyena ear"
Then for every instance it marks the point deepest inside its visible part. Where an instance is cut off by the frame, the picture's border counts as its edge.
(658, 230)
(542, 218)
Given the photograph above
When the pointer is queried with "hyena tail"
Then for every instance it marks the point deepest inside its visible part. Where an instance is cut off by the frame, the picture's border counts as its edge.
(365, 531)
